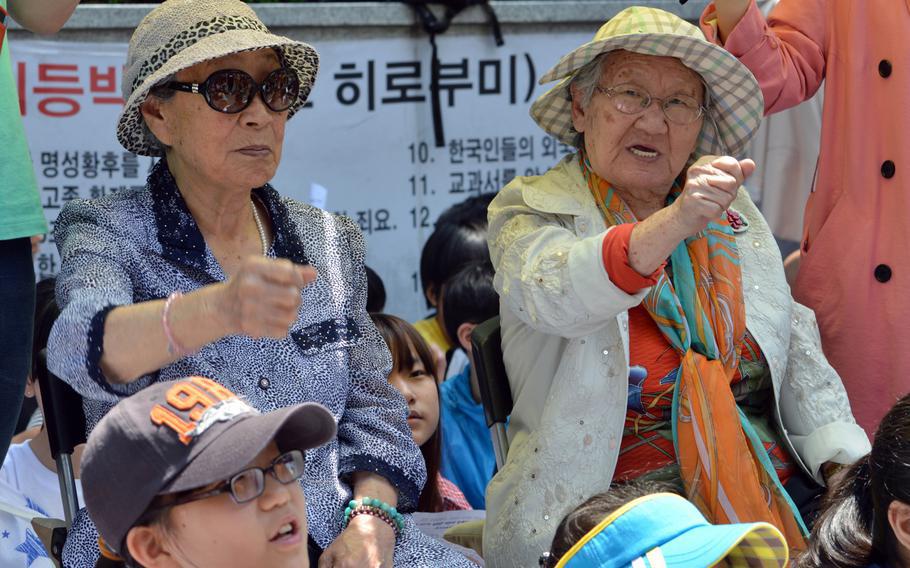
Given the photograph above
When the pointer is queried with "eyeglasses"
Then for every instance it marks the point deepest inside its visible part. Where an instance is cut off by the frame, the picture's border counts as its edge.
(629, 99)
(250, 483)
(547, 560)
(231, 90)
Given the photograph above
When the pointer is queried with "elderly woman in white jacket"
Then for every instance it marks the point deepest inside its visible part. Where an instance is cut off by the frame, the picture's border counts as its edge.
(647, 327)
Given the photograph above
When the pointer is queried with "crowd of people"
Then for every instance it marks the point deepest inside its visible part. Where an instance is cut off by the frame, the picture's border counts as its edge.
(247, 401)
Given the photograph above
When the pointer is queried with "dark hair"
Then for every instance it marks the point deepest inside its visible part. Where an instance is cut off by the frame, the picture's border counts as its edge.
(399, 335)
(46, 313)
(589, 514)
(162, 92)
(375, 291)
(155, 515)
(471, 211)
(852, 529)
(468, 297)
(460, 237)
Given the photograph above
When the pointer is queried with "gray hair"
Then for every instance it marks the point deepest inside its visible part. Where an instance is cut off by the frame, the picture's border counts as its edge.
(585, 81)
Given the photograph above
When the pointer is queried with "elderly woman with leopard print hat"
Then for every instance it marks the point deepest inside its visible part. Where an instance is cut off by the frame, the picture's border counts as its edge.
(209, 271)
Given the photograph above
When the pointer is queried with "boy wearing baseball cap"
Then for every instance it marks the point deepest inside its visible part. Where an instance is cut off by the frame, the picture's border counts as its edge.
(184, 473)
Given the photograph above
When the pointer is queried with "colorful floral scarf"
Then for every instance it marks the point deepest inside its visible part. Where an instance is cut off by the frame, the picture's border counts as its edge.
(702, 314)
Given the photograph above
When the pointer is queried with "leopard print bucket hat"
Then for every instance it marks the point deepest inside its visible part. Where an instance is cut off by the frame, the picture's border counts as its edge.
(734, 100)
(181, 33)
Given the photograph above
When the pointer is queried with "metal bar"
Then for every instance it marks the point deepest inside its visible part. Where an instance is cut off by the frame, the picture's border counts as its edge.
(67, 477)
(385, 14)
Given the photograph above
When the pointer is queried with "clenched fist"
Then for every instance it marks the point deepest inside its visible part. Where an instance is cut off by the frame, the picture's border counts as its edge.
(711, 186)
(261, 299)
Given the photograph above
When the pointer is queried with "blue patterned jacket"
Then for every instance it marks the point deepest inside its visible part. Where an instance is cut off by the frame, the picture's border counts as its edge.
(141, 245)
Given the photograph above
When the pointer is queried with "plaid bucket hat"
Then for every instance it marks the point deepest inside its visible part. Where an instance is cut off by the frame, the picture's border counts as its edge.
(664, 530)
(179, 435)
(181, 33)
(734, 99)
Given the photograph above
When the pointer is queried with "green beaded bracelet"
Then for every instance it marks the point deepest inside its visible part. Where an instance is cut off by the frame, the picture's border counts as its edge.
(371, 503)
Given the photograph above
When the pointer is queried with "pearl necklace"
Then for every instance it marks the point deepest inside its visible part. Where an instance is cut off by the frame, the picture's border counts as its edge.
(262, 238)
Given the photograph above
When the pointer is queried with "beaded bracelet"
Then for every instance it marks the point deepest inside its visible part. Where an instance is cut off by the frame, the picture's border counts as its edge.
(376, 508)
(373, 512)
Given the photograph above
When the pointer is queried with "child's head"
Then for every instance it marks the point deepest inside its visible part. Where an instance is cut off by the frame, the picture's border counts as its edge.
(375, 291)
(642, 524)
(468, 299)
(184, 473)
(889, 473)
(460, 237)
(413, 374)
(46, 313)
(866, 515)
(472, 210)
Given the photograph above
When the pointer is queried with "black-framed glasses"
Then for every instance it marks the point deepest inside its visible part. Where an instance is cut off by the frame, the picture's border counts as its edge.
(250, 483)
(630, 99)
(231, 90)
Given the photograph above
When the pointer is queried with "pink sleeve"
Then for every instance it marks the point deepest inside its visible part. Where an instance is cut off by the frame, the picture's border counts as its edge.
(786, 53)
(616, 261)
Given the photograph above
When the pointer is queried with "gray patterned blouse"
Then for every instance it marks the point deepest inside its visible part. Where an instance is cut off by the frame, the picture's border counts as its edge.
(142, 245)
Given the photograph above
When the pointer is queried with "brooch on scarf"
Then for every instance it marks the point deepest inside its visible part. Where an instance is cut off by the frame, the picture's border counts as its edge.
(738, 223)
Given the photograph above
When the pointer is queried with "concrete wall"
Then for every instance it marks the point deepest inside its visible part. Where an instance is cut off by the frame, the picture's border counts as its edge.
(312, 22)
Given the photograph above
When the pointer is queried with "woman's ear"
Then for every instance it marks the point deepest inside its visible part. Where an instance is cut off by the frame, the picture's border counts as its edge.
(464, 336)
(153, 112)
(147, 547)
(899, 518)
(31, 387)
(431, 295)
(578, 111)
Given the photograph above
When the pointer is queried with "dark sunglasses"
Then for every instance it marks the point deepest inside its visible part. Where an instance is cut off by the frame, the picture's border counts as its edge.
(231, 90)
(250, 483)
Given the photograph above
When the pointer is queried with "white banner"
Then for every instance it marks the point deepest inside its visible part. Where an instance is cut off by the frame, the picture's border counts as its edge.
(363, 146)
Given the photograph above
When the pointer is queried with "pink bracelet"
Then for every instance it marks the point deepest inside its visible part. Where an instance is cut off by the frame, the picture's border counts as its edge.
(173, 347)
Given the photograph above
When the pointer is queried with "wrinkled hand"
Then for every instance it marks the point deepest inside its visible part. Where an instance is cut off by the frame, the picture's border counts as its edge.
(261, 299)
(711, 186)
(367, 542)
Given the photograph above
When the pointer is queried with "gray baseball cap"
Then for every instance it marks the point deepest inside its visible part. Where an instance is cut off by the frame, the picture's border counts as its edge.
(179, 435)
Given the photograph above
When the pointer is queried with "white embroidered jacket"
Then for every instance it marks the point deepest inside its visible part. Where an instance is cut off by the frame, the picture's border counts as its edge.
(565, 335)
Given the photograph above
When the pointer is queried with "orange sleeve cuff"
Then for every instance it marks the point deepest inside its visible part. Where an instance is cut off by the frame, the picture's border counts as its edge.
(616, 261)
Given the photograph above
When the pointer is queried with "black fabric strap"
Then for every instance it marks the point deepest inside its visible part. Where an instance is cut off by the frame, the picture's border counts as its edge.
(438, 133)
(433, 26)
(494, 23)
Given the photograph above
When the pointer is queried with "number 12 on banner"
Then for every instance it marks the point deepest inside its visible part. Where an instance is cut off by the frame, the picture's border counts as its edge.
(420, 217)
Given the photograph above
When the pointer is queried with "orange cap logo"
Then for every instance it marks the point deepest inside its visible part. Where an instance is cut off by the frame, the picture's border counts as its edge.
(188, 401)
